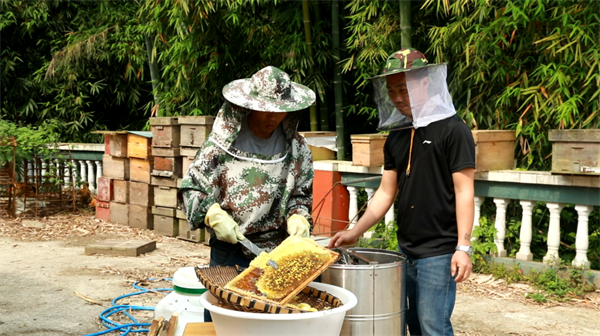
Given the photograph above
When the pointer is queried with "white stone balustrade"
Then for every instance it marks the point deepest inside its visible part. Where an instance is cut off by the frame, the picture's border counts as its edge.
(90, 176)
(582, 239)
(512, 178)
(353, 206)
(79, 170)
(500, 225)
(526, 231)
(553, 240)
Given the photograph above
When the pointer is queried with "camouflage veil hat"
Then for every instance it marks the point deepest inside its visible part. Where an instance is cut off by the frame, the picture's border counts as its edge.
(404, 60)
(269, 90)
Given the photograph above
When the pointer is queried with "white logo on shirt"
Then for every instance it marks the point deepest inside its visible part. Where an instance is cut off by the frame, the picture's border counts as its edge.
(426, 142)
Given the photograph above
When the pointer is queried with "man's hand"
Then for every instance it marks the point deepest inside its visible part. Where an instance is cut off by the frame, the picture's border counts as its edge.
(298, 226)
(461, 266)
(344, 238)
(224, 226)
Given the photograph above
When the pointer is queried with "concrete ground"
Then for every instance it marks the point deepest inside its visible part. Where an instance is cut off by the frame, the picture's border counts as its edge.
(50, 288)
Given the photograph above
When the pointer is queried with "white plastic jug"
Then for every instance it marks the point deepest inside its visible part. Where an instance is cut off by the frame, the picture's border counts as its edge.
(185, 300)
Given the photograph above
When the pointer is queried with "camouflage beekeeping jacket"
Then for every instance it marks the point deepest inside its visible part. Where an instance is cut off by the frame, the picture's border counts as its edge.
(260, 192)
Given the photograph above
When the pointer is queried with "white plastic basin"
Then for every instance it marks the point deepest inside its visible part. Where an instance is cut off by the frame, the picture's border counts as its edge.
(328, 322)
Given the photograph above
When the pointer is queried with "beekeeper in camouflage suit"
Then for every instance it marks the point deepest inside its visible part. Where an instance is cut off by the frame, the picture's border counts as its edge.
(252, 178)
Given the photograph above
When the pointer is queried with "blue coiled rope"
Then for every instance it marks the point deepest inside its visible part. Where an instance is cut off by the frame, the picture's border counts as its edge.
(134, 326)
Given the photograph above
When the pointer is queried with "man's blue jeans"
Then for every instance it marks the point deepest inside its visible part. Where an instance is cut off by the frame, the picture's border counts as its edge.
(431, 293)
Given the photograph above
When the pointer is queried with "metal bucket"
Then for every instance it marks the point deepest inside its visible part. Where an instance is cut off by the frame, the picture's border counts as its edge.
(377, 279)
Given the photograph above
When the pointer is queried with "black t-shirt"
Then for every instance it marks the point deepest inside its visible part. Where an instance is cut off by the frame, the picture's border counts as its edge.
(426, 200)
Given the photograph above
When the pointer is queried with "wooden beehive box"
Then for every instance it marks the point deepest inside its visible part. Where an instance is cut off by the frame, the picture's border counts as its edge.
(575, 151)
(195, 130)
(186, 163)
(105, 189)
(319, 153)
(367, 149)
(121, 191)
(165, 132)
(494, 149)
(165, 196)
(103, 210)
(141, 194)
(141, 217)
(139, 145)
(115, 167)
(117, 144)
(167, 166)
(119, 213)
(140, 170)
(197, 236)
(165, 225)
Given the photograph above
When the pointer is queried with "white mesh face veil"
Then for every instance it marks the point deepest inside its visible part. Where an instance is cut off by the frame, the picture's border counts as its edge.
(389, 117)
(430, 100)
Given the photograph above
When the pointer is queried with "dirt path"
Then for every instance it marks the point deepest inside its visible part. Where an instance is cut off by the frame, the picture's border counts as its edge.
(50, 288)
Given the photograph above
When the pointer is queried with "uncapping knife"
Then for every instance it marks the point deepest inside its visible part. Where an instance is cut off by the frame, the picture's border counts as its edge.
(257, 251)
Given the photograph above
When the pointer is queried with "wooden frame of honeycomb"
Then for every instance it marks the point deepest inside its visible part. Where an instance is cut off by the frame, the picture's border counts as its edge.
(299, 260)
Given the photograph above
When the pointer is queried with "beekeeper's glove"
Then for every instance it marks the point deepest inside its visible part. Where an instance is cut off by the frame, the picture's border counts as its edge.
(224, 226)
(298, 225)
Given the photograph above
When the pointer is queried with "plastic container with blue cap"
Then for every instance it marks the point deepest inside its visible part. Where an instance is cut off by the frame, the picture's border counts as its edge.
(184, 300)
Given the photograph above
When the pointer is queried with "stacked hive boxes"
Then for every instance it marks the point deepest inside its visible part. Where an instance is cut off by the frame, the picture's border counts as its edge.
(175, 141)
(124, 193)
(113, 193)
(139, 190)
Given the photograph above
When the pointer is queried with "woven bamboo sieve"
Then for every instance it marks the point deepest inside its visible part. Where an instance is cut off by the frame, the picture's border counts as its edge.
(215, 278)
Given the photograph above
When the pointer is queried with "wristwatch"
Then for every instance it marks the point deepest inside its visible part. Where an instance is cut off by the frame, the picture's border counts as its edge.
(468, 249)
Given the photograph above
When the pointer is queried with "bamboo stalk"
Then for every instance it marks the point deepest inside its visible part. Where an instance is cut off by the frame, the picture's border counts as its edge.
(405, 28)
(337, 81)
(323, 106)
(153, 72)
(314, 125)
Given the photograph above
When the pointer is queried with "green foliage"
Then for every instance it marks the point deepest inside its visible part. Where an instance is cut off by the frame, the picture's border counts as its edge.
(530, 66)
(485, 233)
(202, 46)
(555, 283)
(383, 236)
(77, 62)
(23, 143)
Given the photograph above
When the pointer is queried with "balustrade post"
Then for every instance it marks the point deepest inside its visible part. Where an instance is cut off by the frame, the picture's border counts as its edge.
(44, 169)
(390, 216)
(477, 214)
(83, 171)
(353, 206)
(370, 192)
(552, 256)
(30, 175)
(98, 170)
(500, 225)
(526, 231)
(582, 239)
(75, 172)
(66, 174)
(90, 176)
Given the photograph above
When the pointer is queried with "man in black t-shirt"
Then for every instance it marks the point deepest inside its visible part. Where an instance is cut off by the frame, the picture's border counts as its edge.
(429, 165)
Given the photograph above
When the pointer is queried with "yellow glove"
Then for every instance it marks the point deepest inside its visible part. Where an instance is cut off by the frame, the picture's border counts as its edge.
(225, 227)
(298, 225)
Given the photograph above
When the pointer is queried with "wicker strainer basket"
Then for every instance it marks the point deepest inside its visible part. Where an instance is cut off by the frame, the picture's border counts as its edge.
(215, 278)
